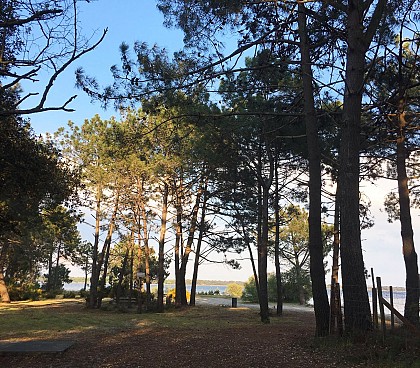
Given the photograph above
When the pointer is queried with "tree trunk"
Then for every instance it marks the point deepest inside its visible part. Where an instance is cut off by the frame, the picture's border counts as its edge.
(48, 287)
(264, 185)
(57, 263)
(4, 294)
(279, 285)
(146, 253)
(198, 249)
(131, 292)
(411, 310)
(356, 300)
(188, 247)
(178, 244)
(251, 257)
(336, 315)
(118, 293)
(262, 258)
(319, 289)
(104, 257)
(161, 267)
(93, 294)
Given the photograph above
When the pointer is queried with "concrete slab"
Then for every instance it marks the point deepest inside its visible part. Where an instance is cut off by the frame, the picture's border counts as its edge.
(36, 346)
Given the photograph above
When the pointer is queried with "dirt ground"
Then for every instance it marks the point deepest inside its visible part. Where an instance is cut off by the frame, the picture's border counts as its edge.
(286, 343)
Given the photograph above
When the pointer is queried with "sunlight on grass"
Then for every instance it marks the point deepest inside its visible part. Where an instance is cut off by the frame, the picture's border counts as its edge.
(54, 318)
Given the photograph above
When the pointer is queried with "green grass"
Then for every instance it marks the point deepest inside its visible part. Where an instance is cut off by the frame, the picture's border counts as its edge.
(51, 318)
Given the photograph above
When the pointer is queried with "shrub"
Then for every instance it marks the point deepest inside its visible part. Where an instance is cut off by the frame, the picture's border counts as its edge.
(234, 290)
(171, 295)
(68, 294)
(249, 292)
(24, 292)
(293, 288)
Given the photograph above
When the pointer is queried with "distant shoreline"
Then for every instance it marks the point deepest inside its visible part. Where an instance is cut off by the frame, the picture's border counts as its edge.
(171, 281)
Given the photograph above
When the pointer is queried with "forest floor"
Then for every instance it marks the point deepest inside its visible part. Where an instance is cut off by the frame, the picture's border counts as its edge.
(203, 336)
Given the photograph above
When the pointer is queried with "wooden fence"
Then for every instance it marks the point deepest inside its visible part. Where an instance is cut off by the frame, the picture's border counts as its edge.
(379, 300)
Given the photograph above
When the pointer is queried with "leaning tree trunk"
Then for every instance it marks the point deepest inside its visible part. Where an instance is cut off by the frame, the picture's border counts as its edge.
(103, 259)
(251, 257)
(198, 249)
(188, 247)
(319, 289)
(411, 310)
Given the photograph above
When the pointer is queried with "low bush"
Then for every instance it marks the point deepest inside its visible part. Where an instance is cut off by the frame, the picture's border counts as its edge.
(24, 292)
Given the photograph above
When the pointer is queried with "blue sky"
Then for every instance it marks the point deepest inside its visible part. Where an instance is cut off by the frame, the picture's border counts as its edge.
(139, 20)
(127, 21)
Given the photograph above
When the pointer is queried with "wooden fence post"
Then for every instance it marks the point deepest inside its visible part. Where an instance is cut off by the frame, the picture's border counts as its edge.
(391, 301)
(381, 306)
(374, 302)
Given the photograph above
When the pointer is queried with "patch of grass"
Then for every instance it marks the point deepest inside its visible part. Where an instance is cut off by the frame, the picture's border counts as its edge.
(53, 318)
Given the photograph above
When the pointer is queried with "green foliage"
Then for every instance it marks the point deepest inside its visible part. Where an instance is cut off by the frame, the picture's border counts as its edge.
(70, 294)
(249, 293)
(57, 278)
(26, 291)
(234, 290)
(294, 288)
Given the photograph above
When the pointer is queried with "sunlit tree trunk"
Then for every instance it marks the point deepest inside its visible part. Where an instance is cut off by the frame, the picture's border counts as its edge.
(198, 248)
(146, 245)
(188, 246)
(161, 267)
(178, 242)
(103, 258)
(93, 294)
(4, 294)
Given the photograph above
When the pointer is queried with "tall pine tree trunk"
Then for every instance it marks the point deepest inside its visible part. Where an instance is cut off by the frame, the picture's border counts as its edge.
(103, 259)
(161, 259)
(279, 285)
(198, 249)
(356, 300)
(336, 320)
(411, 310)
(178, 243)
(93, 291)
(188, 247)
(146, 253)
(319, 289)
